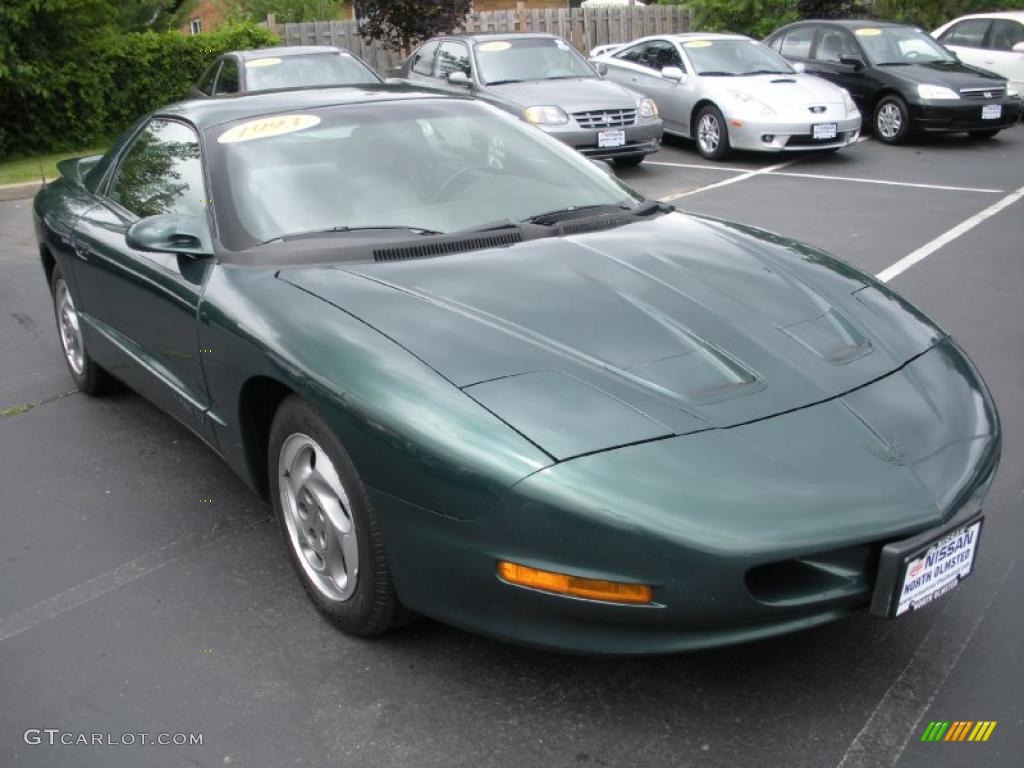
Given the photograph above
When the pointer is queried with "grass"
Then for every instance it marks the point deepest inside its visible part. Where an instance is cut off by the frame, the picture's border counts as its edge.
(27, 168)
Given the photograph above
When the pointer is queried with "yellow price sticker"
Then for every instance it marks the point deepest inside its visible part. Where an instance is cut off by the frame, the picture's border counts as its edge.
(267, 62)
(494, 45)
(698, 44)
(867, 32)
(267, 126)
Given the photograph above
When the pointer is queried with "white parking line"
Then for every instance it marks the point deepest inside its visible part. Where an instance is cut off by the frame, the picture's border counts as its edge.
(733, 180)
(947, 237)
(723, 168)
(884, 181)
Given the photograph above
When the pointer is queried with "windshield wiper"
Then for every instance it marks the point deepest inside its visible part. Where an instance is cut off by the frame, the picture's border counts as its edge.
(331, 230)
(715, 73)
(766, 72)
(502, 82)
(643, 208)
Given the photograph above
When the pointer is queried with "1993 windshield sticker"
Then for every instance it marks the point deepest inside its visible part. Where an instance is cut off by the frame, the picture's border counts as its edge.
(267, 126)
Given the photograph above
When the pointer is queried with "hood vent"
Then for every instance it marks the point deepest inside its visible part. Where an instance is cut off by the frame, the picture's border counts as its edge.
(784, 80)
(445, 247)
(593, 225)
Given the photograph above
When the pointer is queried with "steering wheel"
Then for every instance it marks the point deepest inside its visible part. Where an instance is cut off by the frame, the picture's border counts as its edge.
(450, 181)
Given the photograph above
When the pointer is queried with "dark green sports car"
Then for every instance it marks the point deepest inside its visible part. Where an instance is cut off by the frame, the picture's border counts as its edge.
(482, 380)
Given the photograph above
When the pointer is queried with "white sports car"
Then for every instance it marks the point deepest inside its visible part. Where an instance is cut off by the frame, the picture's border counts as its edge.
(730, 92)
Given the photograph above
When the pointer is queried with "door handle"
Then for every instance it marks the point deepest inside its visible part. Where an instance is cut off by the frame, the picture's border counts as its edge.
(83, 251)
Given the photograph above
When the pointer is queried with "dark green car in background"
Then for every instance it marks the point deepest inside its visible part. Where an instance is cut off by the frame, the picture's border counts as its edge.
(482, 380)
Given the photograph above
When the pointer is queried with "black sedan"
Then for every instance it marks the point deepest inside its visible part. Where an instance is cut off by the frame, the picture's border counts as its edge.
(295, 66)
(900, 78)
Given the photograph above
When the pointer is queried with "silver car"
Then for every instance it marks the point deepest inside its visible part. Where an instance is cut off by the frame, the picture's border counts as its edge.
(543, 80)
(730, 92)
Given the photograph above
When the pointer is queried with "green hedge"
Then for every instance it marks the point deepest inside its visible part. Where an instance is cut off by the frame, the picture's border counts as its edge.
(95, 93)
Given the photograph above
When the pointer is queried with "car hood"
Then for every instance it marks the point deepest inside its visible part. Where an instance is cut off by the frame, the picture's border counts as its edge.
(956, 75)
(572, 95)
(657, 328)
(782, 90)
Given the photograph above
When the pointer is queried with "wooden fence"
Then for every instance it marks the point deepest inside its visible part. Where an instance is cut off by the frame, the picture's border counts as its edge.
(585, 28)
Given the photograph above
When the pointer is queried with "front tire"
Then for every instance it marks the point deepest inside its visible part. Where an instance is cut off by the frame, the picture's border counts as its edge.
(629, 161)
(891, 120)
(329, 526)
(711, 134)
(985, 134)
(89, 378)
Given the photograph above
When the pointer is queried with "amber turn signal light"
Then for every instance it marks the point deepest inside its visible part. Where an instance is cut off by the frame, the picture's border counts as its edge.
(575, 586)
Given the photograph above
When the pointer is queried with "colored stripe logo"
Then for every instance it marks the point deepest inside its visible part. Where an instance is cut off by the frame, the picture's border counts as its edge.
(958, 730)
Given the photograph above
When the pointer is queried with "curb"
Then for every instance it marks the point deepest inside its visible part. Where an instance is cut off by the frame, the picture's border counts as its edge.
(19, 191)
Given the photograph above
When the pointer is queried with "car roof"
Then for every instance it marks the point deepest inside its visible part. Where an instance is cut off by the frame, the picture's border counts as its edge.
(853, 23)
(482, 36)
(704, 36)
(284, 50)
(205, 113)
(1013, 15)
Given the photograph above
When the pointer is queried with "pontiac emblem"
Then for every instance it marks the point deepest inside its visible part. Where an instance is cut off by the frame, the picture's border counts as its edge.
(888, 451)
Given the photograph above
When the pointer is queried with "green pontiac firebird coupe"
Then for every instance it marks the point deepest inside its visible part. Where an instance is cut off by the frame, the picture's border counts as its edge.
(482, 380)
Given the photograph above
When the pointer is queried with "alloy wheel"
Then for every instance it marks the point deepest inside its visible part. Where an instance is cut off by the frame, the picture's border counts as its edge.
(890, 120)
(709, 134)
(70, 328)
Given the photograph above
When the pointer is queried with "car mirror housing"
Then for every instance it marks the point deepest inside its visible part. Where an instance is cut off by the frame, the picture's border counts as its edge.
(852, 61)
(177, 233)
(799, 66)
(602, 68)
(673, 73)
(458, 78)
(1018, 47)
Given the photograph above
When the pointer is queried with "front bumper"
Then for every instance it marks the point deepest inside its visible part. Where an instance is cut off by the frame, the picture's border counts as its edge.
(790, 133)
(965, 115)
(642, 138)
(742, 533)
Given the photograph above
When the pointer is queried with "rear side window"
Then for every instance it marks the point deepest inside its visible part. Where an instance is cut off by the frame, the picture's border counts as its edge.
(453, 57)
(227, 80)
(423, 59)
(796, 44)
(161, 172)
(969, 33)
(1006, 33)
(205, 83)
(654, 54)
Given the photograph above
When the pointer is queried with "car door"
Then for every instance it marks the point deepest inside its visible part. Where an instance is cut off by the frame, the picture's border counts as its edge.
(639, 69)
(827, 61)
(141, 307)
(796, 44)
(1000, 56)
(967, 40)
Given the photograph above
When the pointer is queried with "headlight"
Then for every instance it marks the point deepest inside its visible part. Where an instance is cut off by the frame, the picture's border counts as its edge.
(848, 102)
(936, 92)
(545, 115)
(647, 108)
(750, 101)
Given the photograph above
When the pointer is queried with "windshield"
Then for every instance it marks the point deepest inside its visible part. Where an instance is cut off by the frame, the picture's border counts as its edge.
(900, 45)
(531, 58)
(723, 58)
(438, 165)
(308, 70)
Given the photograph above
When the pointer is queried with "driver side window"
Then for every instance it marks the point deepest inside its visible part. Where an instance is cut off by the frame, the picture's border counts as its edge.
(833, 44)
(453, 57)
(161, 172)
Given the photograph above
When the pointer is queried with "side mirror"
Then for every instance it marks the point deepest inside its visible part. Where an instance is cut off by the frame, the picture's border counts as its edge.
(171, 233)
(604, 165)
(799, 66)
(602, 68)
(852, 61)
(458, 77)
(1018, 47)
(674, 74)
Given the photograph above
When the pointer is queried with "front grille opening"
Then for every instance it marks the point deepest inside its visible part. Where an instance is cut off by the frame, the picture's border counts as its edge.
(818, 578)
(605, 118)
(446, 247)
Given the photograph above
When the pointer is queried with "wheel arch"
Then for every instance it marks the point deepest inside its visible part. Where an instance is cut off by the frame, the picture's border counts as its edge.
(49, 262)
(258, 401)
(704, 102)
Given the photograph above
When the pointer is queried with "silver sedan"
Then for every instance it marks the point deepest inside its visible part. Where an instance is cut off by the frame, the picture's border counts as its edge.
(730, 92)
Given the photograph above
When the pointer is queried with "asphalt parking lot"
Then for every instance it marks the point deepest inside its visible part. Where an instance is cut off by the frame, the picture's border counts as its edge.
(144, 589)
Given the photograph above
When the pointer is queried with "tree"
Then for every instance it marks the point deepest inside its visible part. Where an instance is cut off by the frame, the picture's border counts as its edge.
(140, 15)
(829, 9)
(285, 10)
(930, 14)
(400, 24)
(749, 17)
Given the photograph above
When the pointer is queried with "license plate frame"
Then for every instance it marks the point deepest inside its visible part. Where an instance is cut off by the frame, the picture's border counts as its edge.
(824, 131)
(904, 564)
(991, 111)
(611, 137)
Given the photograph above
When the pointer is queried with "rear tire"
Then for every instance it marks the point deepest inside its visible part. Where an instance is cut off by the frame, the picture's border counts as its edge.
(711, 134)
(330, 528)
(986, 134)
(891, 121)
(89, 378)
